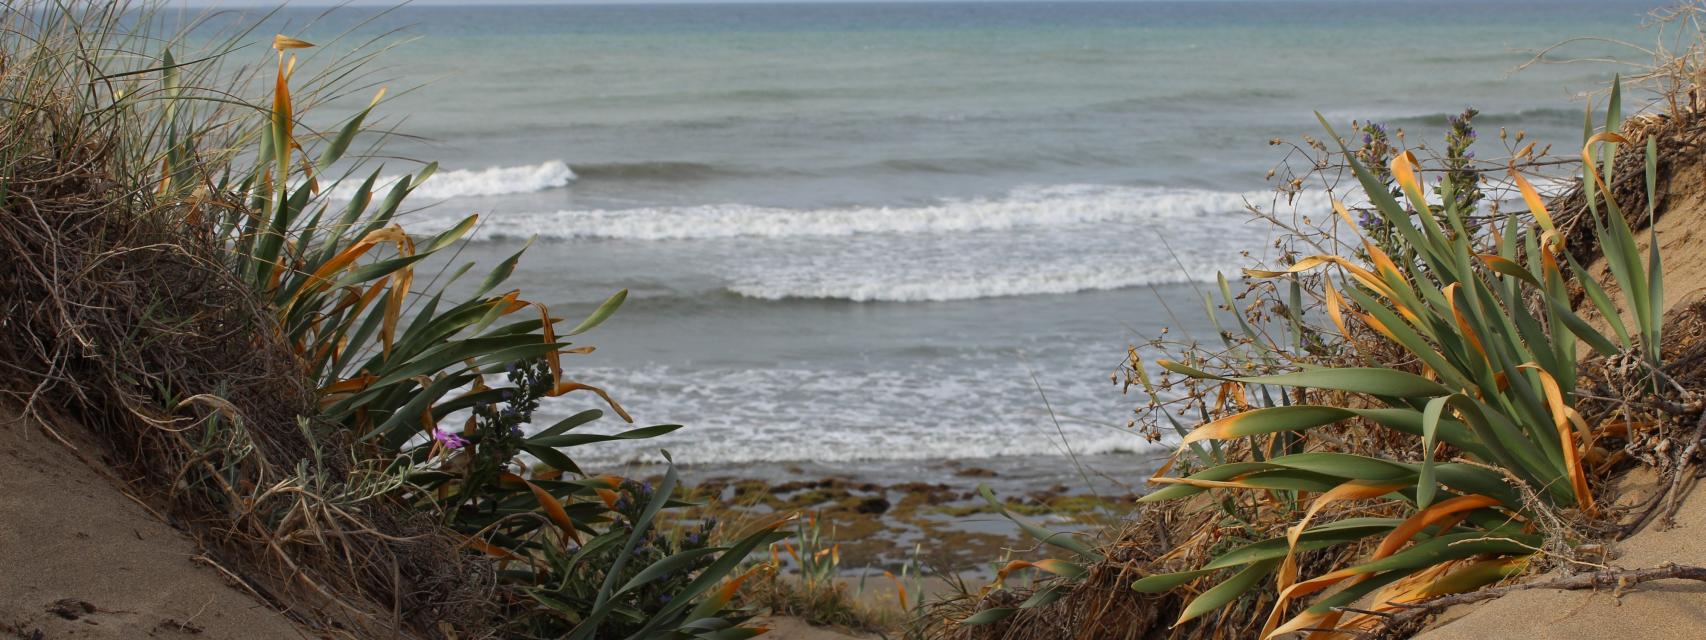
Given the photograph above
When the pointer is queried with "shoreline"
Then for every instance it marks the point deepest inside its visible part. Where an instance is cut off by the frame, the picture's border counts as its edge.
(879, 511)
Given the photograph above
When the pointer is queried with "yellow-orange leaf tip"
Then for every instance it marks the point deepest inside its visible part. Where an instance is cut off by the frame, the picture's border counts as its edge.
(282, 42)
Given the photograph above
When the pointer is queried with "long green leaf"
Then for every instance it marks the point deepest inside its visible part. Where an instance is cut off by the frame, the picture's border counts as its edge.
(602, 313)
(1222, 594)
(1370, 380)
(1425, 487)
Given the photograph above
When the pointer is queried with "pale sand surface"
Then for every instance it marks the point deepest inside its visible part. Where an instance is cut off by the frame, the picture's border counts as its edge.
(69, 540)
(1682, 245)
(1657, 610)
(785, 628)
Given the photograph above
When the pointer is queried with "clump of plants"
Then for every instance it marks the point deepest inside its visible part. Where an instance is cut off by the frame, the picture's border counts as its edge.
(805, 578)
(1386, 424)
(398, 385)
(1495, 348)
(186, 279)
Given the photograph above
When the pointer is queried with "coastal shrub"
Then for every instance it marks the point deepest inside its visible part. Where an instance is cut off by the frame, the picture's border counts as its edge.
(394, 384)
(1411, 434)
(121, 315)
(376, 418)
(1486, 318)
(821, 594)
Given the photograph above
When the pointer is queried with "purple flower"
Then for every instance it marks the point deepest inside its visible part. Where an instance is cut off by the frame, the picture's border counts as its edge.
(449, 440)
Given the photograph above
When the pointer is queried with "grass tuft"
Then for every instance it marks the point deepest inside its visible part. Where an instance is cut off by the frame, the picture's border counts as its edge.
(262, 355)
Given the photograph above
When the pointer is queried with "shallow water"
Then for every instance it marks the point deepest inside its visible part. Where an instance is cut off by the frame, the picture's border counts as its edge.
(911, 232)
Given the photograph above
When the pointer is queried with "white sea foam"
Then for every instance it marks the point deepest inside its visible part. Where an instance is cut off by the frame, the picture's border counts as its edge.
(1026, 207)
(780, 445)
(981, 406)
(935, 286)
(458, 183)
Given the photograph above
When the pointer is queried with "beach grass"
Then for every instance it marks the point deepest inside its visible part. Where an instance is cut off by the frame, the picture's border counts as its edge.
(807, 580)
(1395, 420)
(270, 360)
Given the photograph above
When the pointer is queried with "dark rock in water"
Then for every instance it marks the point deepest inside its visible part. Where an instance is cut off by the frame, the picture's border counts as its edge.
(798, 485)
(919, 487)
(872, 505)
(975, 472)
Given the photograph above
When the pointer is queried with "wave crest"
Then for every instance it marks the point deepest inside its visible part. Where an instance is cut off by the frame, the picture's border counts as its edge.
(929, 287)
(661, 170)
(1028, 207)
(462, 183)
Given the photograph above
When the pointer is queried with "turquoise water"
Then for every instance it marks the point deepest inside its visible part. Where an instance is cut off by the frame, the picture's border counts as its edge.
(859, 232)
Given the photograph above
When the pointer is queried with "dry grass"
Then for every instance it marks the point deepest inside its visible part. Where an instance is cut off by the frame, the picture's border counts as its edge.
(831, 603)
(118, 308)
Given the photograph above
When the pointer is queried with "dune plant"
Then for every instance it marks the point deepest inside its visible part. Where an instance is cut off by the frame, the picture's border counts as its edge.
(821, 594)
(1494, 338)
(817, 595)
(341, 282)
(413, 402)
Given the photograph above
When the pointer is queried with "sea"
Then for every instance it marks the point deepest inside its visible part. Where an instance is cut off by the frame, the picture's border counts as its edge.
(891, 235)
